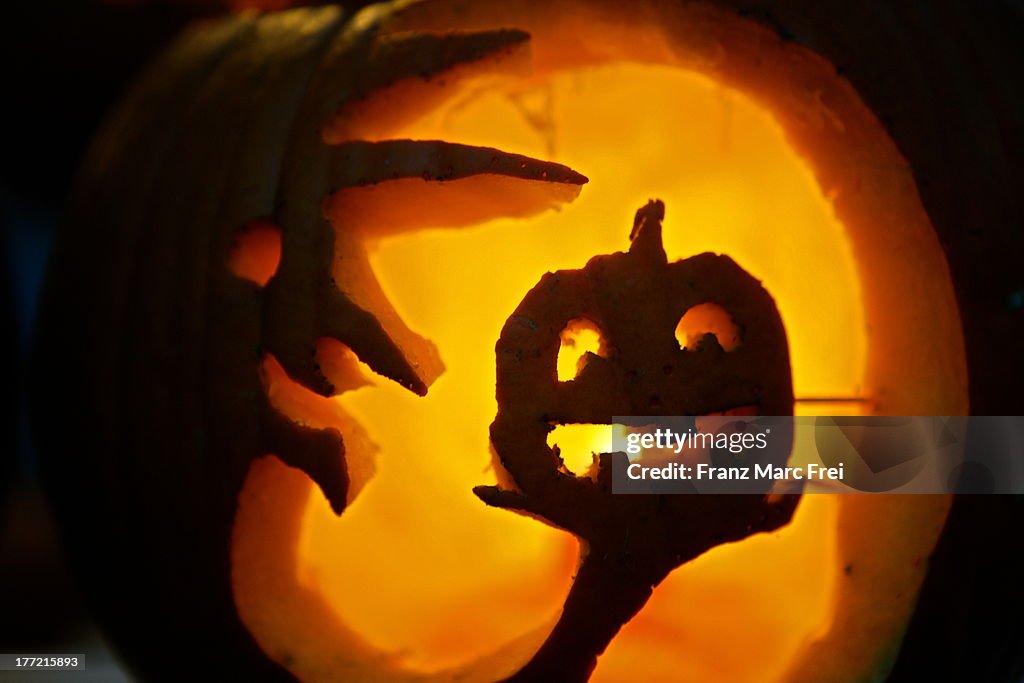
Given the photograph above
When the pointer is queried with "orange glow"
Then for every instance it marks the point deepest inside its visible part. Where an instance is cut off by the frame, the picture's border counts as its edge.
(578, 339)
(707, 319)
(579, 443)
(256, 252)
(417, 579)
(442, 564)
(781, 585)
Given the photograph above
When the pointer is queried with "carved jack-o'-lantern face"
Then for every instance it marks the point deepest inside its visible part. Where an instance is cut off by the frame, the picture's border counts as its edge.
(631, 543)
(273, 433)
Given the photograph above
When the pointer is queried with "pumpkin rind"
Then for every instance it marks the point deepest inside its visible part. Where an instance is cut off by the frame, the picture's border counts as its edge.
(171, 403)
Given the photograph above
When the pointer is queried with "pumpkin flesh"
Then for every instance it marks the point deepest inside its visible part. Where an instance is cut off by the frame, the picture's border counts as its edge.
(243, 380)
(521, 570)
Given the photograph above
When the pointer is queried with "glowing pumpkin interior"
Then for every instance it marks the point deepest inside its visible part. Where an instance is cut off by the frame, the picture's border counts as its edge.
(762, 153)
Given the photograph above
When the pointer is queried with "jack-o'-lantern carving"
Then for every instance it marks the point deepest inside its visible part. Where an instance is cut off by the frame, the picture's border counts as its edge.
(267, 350)
(631, 543)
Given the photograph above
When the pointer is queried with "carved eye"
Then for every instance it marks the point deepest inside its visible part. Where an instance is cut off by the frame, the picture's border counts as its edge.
(580, 337)
(705, 319)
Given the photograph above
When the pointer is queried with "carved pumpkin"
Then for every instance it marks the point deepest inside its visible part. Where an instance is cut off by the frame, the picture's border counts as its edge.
(251, 470)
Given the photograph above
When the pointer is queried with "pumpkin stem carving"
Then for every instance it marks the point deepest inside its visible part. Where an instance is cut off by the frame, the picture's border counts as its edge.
(630, 542)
